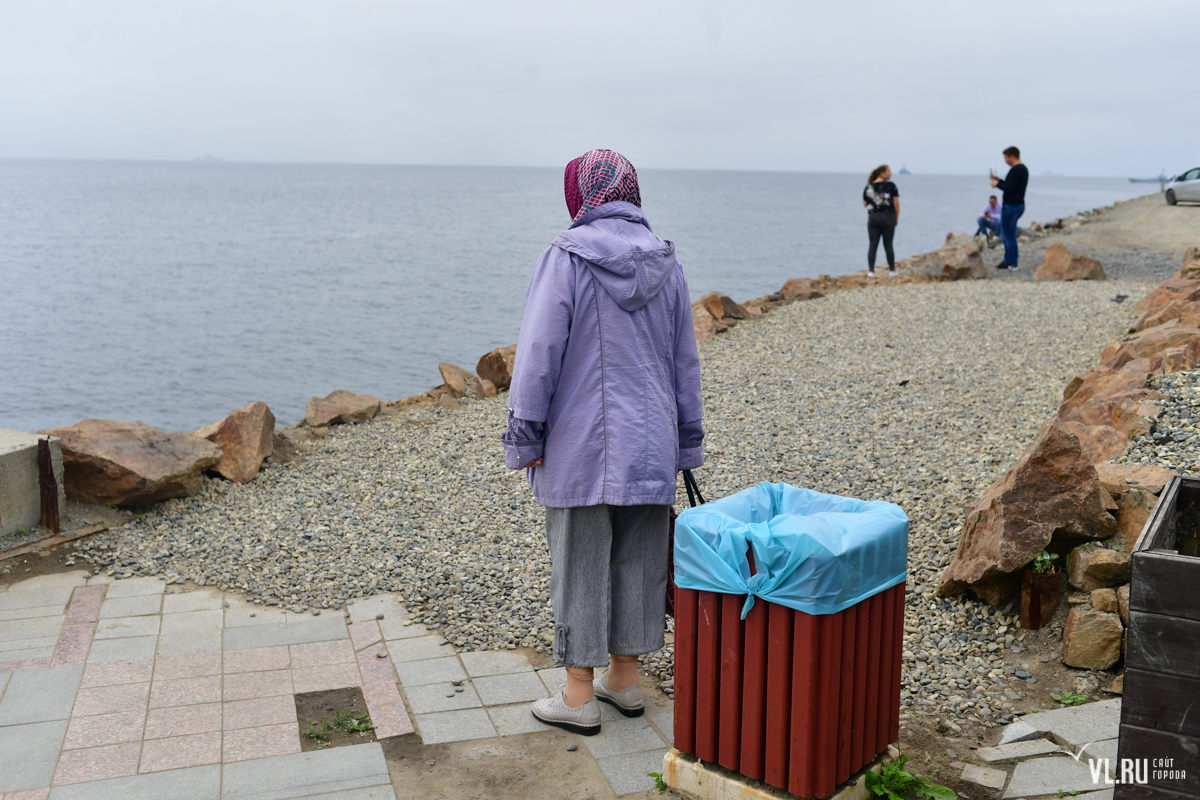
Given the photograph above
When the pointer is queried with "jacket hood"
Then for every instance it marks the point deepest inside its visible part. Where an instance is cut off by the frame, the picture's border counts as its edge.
(624, 255)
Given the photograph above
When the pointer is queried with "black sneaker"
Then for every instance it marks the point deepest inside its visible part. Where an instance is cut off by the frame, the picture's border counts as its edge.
(1002, 265)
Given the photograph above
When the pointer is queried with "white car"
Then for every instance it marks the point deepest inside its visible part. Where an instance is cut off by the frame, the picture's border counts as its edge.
(1184, 187)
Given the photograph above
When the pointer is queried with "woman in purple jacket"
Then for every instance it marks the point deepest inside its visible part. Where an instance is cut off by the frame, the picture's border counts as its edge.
(604, 409)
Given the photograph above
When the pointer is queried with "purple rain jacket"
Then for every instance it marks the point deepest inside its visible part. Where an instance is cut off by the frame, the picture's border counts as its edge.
(606, 384)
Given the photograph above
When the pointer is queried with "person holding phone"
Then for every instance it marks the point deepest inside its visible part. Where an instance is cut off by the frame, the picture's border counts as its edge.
(1013, 185)
(882, 201)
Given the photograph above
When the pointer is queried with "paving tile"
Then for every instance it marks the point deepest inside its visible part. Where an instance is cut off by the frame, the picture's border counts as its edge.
(434, 670)
(257, 659)
(30, 613)
(57, 580)
(435, 697)
(192, 665)
(317, 654)
(313, 773)
(320, 679)
(185, 691)
(495, 662)
(180, 752)
(177, 644)
(984, 776)
(141, 606)
(29, 794)
(56, 596)
(197, 783)
(314, 629)
(73, 644)
(247, 685)
(198, 600)
(183, 720)
(4, 676)
(628, 773)
(33, 628)
(271, 740)
(664, 721)
(367, 793)
(625, 736)
(192, 621)
(39, 695)
(396, 627)
(114, 673)
(85, 605)
(250, 615)
(420, 649)
(381, 695)
(1041, 776)
(21, 649)
(455, 726)
(1078, 725)
(1033, 747)
(554, 678)
(122, 649)
(501, 690)
(1101, 751)
(515, 720)
(35, 660)
(365, 634)
(97, 763)
(111, 699)
(370, 607)
(136, 587)
(259, 712)
(29, 754)
(126, 726)
(124, 627)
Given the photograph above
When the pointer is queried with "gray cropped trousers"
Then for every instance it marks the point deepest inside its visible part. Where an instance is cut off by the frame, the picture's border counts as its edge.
(608, 582)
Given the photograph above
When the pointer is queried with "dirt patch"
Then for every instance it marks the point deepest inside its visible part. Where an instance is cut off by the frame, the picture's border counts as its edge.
(51, 560)
(325, 717)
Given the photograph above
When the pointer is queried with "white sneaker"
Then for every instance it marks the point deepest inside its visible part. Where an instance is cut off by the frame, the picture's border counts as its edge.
(554, 710)
(628, 702)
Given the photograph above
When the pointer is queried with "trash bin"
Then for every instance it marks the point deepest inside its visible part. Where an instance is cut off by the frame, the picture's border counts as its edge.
(789, 629)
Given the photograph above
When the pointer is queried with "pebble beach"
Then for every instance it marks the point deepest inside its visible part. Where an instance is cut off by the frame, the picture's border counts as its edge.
(918, 394)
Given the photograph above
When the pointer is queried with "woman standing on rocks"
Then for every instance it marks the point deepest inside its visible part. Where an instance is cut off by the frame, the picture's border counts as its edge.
(882, 200)
(604, 409)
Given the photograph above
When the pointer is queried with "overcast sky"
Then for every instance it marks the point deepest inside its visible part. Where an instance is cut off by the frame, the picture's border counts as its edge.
(1106, 87)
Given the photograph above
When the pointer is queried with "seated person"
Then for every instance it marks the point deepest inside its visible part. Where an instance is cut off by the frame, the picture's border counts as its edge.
(989, 219)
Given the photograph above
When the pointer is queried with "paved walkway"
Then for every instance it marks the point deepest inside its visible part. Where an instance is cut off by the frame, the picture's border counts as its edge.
(127, 689)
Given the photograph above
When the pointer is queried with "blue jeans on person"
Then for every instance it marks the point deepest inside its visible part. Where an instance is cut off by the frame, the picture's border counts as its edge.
(1008, 231)
(988, 227)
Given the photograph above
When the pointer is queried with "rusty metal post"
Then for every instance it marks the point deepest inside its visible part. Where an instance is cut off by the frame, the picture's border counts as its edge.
(49, 487)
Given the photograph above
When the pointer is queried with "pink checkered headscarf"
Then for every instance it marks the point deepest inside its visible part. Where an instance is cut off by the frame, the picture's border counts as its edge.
(598, 177)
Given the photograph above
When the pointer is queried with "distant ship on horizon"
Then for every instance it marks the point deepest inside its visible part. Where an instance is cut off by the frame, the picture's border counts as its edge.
(904, 170)
(1162, 178)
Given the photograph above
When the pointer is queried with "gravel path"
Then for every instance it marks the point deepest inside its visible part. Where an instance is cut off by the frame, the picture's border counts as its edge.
(1175, 441)
(921, 395)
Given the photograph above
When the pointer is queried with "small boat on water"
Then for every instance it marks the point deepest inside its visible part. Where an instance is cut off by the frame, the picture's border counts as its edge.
(904, 171)
(1162, 178)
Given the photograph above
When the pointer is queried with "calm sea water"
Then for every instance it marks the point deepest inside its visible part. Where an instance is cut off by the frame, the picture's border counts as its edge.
(171, 293)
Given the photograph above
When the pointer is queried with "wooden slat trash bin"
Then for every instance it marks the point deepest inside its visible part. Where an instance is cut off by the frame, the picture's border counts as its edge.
(1158, 752)
(799, 700)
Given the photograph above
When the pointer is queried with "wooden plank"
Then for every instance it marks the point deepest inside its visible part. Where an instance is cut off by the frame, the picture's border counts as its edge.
(708, 676)
(806, 691)
(685, 669)
(49, 488)
(780, 648)
(1158, 758)
(1161, 702)
(729, 733)
(1163, 644)
(1165, 584)
(845, 733)
(51, 541)
(1155, 530)
(829, 657)
(754, 691)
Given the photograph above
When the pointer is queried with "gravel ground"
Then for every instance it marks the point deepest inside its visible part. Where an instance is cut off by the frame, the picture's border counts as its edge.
(921, 395)
(1175, 441)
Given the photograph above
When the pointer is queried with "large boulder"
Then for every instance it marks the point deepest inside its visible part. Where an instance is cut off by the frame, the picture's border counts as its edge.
(1094, 567)
(1116, 478)
(1151, 343)
(1050, 495)
(1187, 312)
(1091, 639)
(801, 289)
(459, 382)
(1191, 264)
(1116, 398)
(1099, 442)
(722, 306)
(955, 262)
(1186, 289)
(245, 437)
(1060, 264)
(340, 407)
(131, 463)
(497, 367)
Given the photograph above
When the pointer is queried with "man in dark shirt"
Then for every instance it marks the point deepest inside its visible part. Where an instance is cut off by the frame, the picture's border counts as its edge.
(1013, 185)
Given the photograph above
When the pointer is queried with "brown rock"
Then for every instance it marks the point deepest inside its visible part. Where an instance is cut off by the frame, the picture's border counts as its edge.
(955, 262)
(340, 407)
(1191, 264)
(1150, 343)
(1165, 292)
(1123, 604)
(1060, 264)
(801, 289)
(703, 323)
(245, 437)
(459, 382)
(1091, 568)
(131, 463)
(1134, 506)
(1104, 599)
(1072, 387)
(1116, 477)
(1050, 494)
(722, 307)
(1177, 359)
(283, 451)
(1103, 383)
(1099, 442)
(489, 388)
(1117, 686)
(497, 367)
(1091, 639)
(1186, 311)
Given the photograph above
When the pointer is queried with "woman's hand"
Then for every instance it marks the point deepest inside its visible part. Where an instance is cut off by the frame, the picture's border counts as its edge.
(537, 462)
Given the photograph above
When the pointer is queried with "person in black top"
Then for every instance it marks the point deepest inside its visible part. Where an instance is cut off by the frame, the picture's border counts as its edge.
(882, 200)
(1013, 185)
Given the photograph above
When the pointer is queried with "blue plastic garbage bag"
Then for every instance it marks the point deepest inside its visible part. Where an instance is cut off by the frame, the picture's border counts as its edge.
(817, 553)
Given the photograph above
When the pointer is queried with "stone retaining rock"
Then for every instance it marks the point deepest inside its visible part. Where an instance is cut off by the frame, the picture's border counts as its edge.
(1123, 603)
(245, 437)
(1134, 506)
(1091, 639)
(1099, 442)
(1104, 599)
(1116, 478)
(459, 382)
(340, 407)
(722, 306)
(1191, 264)
(497, 367)
(1051, 494)
(1060, 264)
(1091, 568)
(131, 463)
(1177, 288)
(1151, 343)
(954, 262)
(801, 289)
